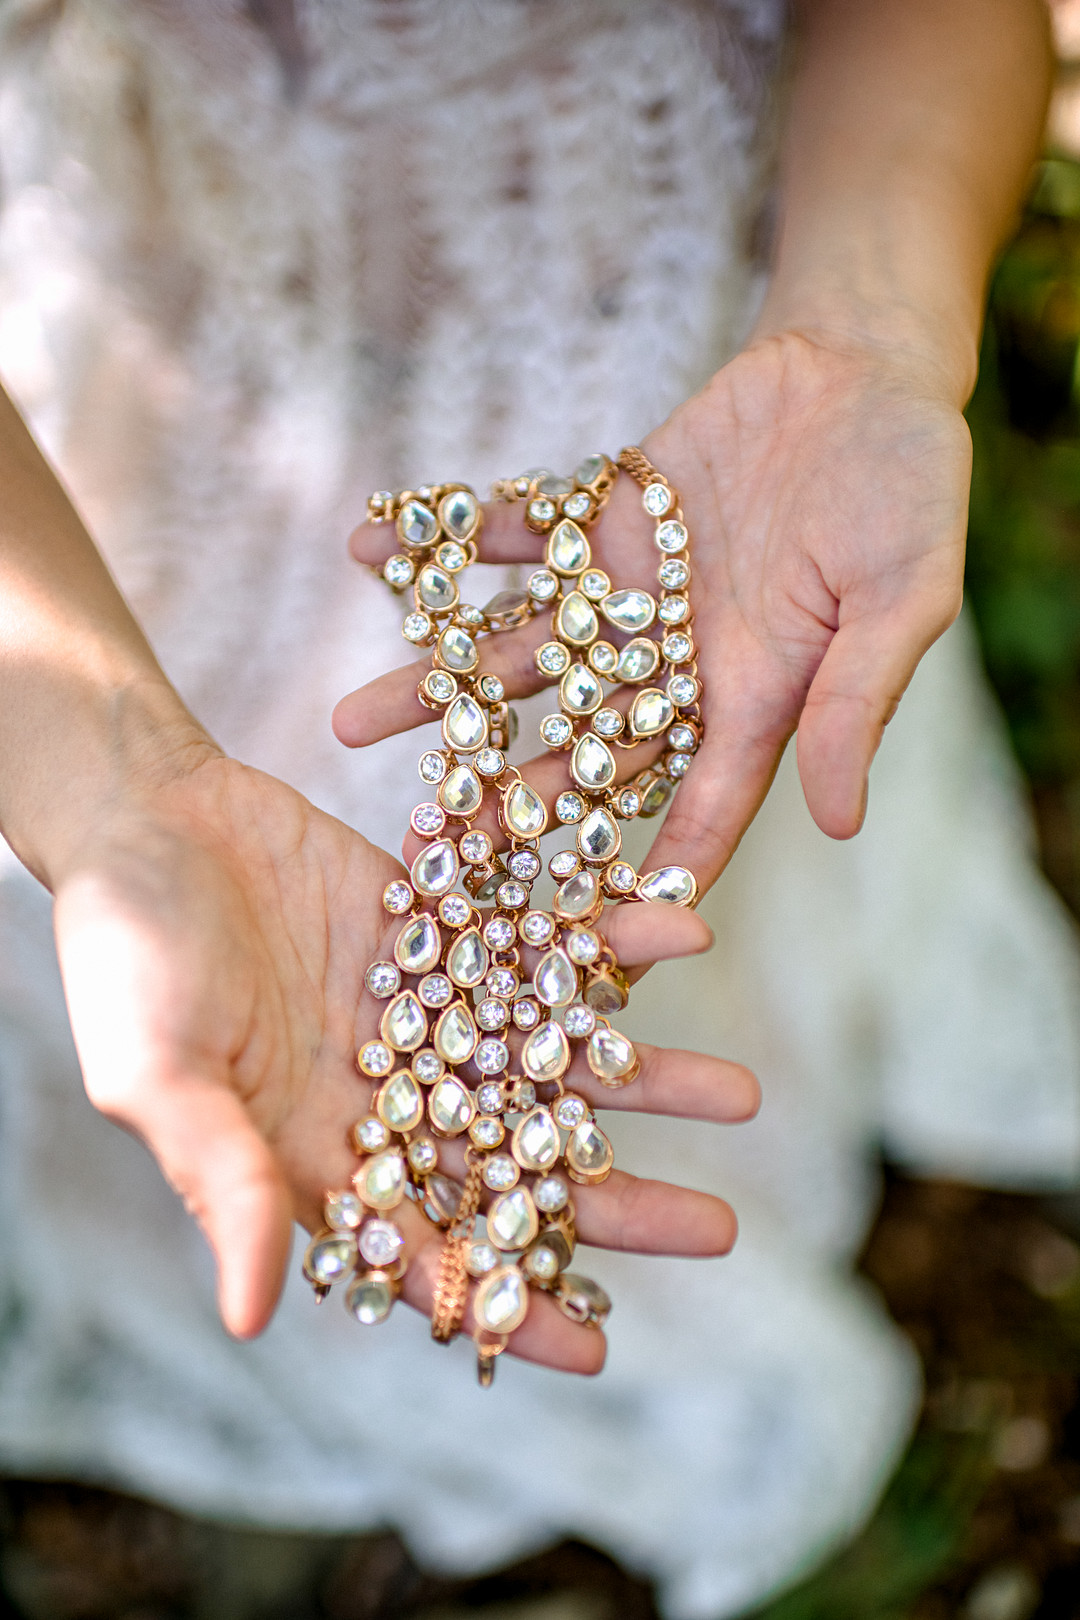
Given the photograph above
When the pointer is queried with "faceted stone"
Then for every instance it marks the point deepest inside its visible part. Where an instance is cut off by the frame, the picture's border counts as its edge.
(536, 1143)
(578, 895)
(481, 1258)
(450, 1107)
(603, 657)
(524, 813)
(582, 1300)
(590, 469)
(589, 1154)
(370, 1135)
(608, 722)
(628, 610)
(656, 499)
(455, 1035)
(638, 660)
(568, 550)
(418, 946)
(556, 980)
(502, 1300)
(459, 512)
(382, 979)
(570, 1110)
(611, 1056)
(435, 869)
(404, 1023)
(542, 1262)
(460, 792)
(370, 1299)
(423, 1156)
(580, 692)
(570, 807)
(443, 1198)
(671, 883)
(598, 836)
(427, 1065)
(576, 620)
(475, 848)
(436, 589)
(552, 658)
(511, 1220)
(381, 1242)
(583, 946)
(343, 1211)
(651, 712)
(381, 1181)
(500, 1172)
(592, 763)
(328, 1259)
(467, 959)
(556, 730)
(465, 726)
(579, 1022)
(546, 1052)
(417, 524)
(400, 1103)
(551, 1194)
(507, 608)
(656, 796)
(457, 650)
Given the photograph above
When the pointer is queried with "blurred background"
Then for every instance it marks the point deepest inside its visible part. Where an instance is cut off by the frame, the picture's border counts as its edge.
(982, 1520)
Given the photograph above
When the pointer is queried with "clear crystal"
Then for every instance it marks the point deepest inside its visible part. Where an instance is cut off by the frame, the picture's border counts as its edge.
(370, 1299)
(435, 869)
(492, 1056)
(511, 1220)
(328, 1259)
(416, 626)
(556, 730)
(674, 609)
(490, 762)
(583, 946)
(682, 689)
(343, 1211)
(565, 862)
(536, 1142)
(577, 505)
(552, 658)
(500, 1172)
(459, 511)
(375, 1059)
(677, 648)
(589, 1154)
(541, 510)
(622, 877)
(598, 836)
(603, 657)
(450, 1108)
(481, 1259)
(579, 1022)
(436, 589)
(570, 1111)
(608, 722)
(551, 484)
(678, 765)
(491, 1013)
(567, 549)
(455, 1035)
(499, 933)
(371, 1135)
(417, 524)
(578, 895)
(555, 980)
(397, 897)
(440, 686)
(673, 573)
(595, 584)
(546, 1052)
(460, 791)
(472, 616)
(398, 571)
(492, 688)
(590, 469)
(543, 585)
(569, 807)
(524, 1096)
(671, 883)
(476, 848)
(382, 979)
(629, 803)
(524, 813)
(629, 610)
(418, 946)
(671, 536)
(435, 990)
(611, 1055)
(381, 1242)
(454, 910)
(465, 726)
(432, 767)
(489, 1098)
(423, 1156)
(537, 927)
(551, 1194)
(381, 1181)
(513, 894)
(656, 499)
(650, 713)
(580, 691)
(592, 763)
(526, 1013)
(524, 864)
(502, 1299)
(542, 1263)
(427, 820)
(457, 649)
(451, 556)
(638, 660)
(404, 1023)
(427, 1065)
(575, 620)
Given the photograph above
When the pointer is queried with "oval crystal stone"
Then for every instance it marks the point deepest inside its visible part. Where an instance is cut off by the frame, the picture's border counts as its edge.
(524, 813)
(380, 1242)
(404, 1023)
(546, 1053)
(556, 980)
(629, 610)
(435, 588)
(638, 660)
(568, 550)
(592, 764)
(612, 1058)
(579, 691)
(455, 1035)
(450, 1107)
(671, 883)
(457, 650)
(418, 946)
(502, 1300)
(467, 959)
(370, 1299)
(651, 712)
(465, 726)
(536, 1143)
(435, 869)
(442, 1198)
(381, 1181)
(589, 1154)
(578, 895)
(598, 836)
(576, 620)
(460, 792)
(400, 1102)
(417, 524)
(328, 1259)
(511, 1220)
(459, 512)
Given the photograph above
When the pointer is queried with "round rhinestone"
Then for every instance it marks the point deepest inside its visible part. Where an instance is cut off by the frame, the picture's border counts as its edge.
(526, 1013)
(502, 982)
(454, 910)
(427, 820)
(490, 762)
(683, 737)
(542, 1263)
(370, 1135)
(608, 722)
(381, 1242)
(492, 1056)
(682, 689)
(583, 947)
(579, 1022)
(501, 1172)
(489, 1098)
(423, 1156)
(629, 803)
(603, 657)
(398, 571)
(551, 1194)
(383, 979)
(432, 767)
(569, 807)
(499, 933)
(556, 730)
(397, 898)
(537, 927)
(671, 536)
(678, 765)
(656, 499)
(440, 686)
(343, 1211)
(375, 1058)
(577, 505)
(427, 1065)
(677, 648)
(491, 1013)
(524, 1096)
(492, 688)
(673, 573)
(435, 990)
(552, 658)
(451, 556)
(541, 510)
(481, 1258)
(416, 627)
(487, 1132)
(513, 894)
(564, 864)
(543, 585)
(570, 1111)
(622, 877)
(524, 864)
(475, 848)
(595, 584)
(673, 609)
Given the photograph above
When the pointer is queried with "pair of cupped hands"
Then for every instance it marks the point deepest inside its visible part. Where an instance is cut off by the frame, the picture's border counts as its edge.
(215, 928)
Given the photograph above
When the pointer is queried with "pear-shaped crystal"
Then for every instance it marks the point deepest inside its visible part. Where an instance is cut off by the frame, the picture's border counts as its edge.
(598, 836)
(417, 524)
(381, 1181)
(592, 763)
(578, 895)
(443, 1197)
(524, 813)
(459, 512)
(450, 1107)
(502, 1300)
(589, 1154)
(404, 1023)
(536, 1143)
(418, 946)
(568, 550)
(436, 589)
(370, 1299)
(465, 725)
(457, 650)
(651, 712)
(467, 959)
(460, 792)
(511, 1220)
(556, 980)
(400, 1102)
(612, 1057)
(638, 660)
(576, 620)
(546, 1053)
(579, 691)
(330, 1258)
(435, 869)
(455, 1035)
(629, 610)
(671, 883)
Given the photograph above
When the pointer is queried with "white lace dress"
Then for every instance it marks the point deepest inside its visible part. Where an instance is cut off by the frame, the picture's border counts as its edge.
(248, 272)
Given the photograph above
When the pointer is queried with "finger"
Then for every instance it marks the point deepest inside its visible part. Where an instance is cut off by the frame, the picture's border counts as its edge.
(685, 1085)
(653, 1217)
(652, 931)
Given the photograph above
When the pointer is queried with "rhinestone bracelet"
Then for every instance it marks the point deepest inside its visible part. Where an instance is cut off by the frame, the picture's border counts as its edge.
(490, 998)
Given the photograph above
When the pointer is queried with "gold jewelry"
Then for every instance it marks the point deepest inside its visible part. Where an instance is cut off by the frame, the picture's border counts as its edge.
(473, 1041)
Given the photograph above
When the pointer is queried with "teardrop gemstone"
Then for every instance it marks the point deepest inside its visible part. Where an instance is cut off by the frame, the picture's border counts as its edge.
(436, 589)
(418, 946)
(629, 610)
(450, 1107)
(578, 895)
(556, 980)
(328, 1259)
(546, 1053)
(455, 1035)
(671, 883)
(467, 959)
(638, 660)
(579, 691)
(589, 1154)
(511, 1220)
(536, 1143)
(612, 1058)
(651, 712)
(524, 814)
(459, 513)
(400, 1102)
(435, 869)
(457, 650)
(417, 524)
(598, 836)
(502, 1300)
(576, 620)
(460, 792)
(381, 1181)
(465, 726)
(404, 1023)
(568, 550)
(370, 1299)
(592, 763)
